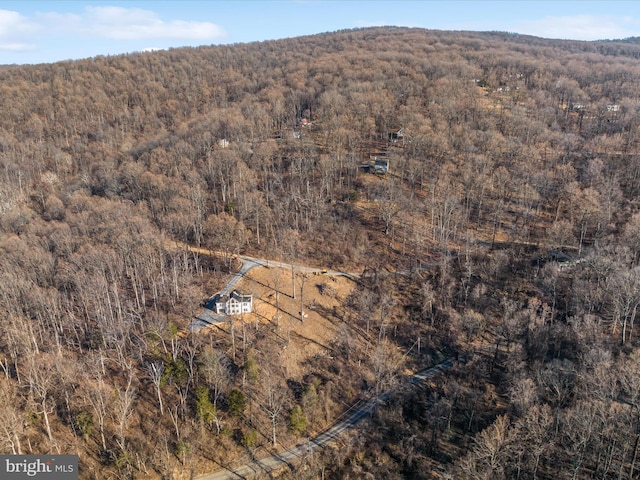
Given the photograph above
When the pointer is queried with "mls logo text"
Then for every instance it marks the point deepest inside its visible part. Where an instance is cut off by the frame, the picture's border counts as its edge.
(39, 467)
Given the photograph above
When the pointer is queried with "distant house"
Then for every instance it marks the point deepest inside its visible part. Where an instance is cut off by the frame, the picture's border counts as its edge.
(563, 261)
(614, 107)
(376, 165)
(396, 135)
(380, 165)
(223, 143)
(234, 304)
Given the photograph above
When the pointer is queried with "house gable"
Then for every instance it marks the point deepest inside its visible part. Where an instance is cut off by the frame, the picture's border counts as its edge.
(234, 303)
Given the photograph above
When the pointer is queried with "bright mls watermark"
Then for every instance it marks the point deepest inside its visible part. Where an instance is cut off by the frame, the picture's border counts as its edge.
(39, 467)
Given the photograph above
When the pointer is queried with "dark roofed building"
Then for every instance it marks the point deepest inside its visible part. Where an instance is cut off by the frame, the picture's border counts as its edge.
(380, 165)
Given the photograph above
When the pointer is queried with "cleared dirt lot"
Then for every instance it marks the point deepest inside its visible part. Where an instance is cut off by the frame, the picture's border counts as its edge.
(276, 308)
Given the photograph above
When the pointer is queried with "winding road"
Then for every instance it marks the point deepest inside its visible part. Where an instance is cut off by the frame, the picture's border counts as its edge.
(351, 418)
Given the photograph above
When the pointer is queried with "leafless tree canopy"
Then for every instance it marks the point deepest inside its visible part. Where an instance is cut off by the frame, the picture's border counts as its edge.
(503, 232)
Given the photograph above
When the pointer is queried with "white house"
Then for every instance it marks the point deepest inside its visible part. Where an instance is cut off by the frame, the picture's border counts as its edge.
(396, 135)
(234, 304)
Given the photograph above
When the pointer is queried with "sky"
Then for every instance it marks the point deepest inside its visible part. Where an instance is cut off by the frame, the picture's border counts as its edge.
(50, 31)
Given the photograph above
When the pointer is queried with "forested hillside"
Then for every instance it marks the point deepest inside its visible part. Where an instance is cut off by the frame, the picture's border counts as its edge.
(505, 234)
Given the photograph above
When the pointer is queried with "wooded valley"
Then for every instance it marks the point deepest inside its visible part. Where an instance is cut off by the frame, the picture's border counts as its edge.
(485, 185)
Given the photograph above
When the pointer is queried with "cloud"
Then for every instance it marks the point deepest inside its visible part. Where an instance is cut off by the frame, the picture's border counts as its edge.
(14, 23)
(15, 30)
(17, 47)
(581, 27)
(119, 23)
(105, 22)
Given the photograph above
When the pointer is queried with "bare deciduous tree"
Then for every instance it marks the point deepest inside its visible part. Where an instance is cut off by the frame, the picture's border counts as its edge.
(215, 371)
(12, 421)
(155, 370)
(272, 399)
(123, 409)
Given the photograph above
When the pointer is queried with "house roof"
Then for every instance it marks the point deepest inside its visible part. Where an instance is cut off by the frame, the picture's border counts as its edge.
(559, 256)
(234, 295)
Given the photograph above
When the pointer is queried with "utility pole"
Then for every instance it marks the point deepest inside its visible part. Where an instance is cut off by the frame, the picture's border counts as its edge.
(293, 282)
(303, 278)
